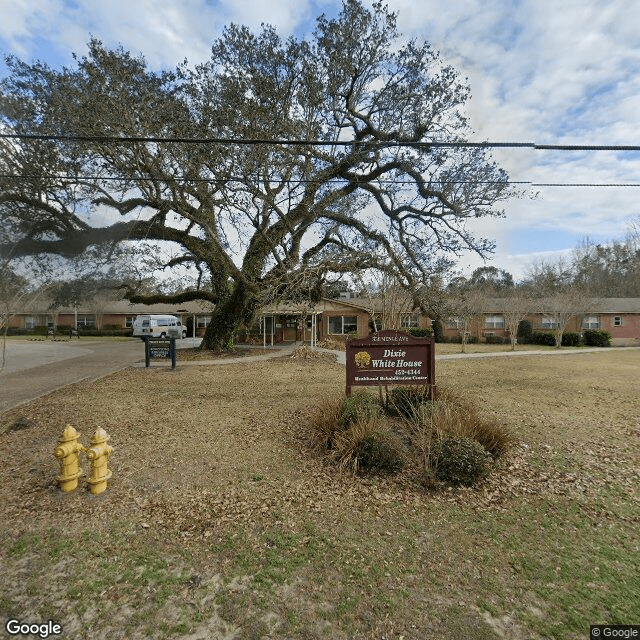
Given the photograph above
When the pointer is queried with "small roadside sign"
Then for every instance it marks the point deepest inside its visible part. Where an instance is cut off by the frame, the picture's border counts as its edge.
(159, 348)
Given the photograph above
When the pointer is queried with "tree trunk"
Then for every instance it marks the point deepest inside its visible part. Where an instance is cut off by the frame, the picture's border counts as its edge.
(228, 316)
(559, 333)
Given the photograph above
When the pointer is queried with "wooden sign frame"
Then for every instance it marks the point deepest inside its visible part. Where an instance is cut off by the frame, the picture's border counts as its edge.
(391, 357)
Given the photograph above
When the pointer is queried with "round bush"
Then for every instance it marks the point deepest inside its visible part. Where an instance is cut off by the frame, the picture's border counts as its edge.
(545, 338)
(570, 339)
(360, 404)
(380, 451)
(460, 460)
(597, 338)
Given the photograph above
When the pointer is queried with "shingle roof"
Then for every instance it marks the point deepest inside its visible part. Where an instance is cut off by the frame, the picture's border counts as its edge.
(594, 305)
(43, 306)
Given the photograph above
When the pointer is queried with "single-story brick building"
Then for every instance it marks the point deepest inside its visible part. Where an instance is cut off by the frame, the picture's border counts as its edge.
(328, 318)
(619, 316)
(104, 315)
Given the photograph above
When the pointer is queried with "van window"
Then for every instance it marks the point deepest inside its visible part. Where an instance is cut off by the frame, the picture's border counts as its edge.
(145, 323)
(163, 322)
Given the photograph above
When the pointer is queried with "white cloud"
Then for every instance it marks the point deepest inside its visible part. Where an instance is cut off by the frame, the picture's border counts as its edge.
(165, 32)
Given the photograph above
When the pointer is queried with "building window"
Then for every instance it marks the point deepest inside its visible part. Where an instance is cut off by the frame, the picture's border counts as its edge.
(617, 321)
(591, 322)
(128, 321)
(86, 320)
(409, 320)
(454, 323)
(494, 322)
(29, 322)
(549, 323)
(343, 324)
(203, 321)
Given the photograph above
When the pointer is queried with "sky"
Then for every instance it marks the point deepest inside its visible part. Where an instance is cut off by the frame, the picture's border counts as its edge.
(562, 72)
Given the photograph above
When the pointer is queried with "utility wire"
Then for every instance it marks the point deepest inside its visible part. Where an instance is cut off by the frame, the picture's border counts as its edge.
(324, 143)
(77, 178)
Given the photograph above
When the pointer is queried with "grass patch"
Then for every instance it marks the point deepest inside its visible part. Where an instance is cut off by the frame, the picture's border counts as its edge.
(220, 521)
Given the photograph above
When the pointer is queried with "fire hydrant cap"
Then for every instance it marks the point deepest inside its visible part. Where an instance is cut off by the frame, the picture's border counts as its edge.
(69, 434)
(99, 436)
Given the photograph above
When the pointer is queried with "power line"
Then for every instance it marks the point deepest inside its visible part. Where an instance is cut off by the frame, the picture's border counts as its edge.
(529, 183)
(325, 143)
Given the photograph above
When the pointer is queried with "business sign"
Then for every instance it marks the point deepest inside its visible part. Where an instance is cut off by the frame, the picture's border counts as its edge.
(391, 358)
(159, 348)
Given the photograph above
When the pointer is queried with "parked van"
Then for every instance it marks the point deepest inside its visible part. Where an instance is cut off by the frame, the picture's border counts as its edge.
(158, 327)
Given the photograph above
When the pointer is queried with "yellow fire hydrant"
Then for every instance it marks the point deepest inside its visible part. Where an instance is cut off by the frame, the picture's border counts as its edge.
(98, 454)
(67, 452)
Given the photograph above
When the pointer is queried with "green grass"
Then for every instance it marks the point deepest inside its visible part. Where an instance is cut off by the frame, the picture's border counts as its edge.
(583, 566)
(401, 563)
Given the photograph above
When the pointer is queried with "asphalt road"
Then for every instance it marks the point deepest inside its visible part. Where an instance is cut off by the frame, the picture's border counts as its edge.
(35, 368)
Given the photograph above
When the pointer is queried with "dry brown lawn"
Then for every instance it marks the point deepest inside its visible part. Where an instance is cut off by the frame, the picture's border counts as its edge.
(220, 522)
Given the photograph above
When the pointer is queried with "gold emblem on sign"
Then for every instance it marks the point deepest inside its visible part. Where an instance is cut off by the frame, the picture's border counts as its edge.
(363, 359)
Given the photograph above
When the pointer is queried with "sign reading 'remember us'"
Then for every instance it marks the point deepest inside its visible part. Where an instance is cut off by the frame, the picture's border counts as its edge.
(390, 358)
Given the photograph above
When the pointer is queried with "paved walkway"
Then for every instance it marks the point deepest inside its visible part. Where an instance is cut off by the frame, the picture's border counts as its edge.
(36, 370)
(278, 352)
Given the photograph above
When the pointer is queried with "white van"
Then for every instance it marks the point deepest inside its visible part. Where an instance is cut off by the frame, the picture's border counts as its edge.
(158, 327)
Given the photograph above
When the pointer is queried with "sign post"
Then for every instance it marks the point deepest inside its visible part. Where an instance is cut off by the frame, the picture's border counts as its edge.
(159, 348)
(391, 358)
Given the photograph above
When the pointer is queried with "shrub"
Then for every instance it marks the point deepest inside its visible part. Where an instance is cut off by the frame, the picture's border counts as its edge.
(525, 329)
(597, 338)
(325, 422)
(358, 404)
(380, 451)
(420, 333)
(345, 444)
(496, 340)
(458, 339)
(570, 339)
(406, 401)
(40, 330)
(459, 460)
(453, 415)
(545, 338)
(438, 331)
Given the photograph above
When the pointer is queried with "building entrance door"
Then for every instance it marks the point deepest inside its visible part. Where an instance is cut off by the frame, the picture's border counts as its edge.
(290, 328)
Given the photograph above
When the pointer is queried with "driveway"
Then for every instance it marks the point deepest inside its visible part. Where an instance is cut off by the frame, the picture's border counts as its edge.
(35, 368)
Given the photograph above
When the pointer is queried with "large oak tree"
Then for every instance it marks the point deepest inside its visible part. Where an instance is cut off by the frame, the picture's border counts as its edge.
(295, 159)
